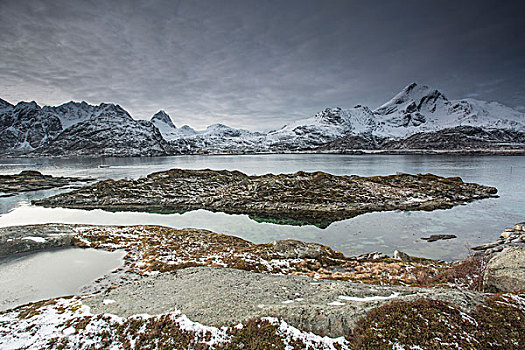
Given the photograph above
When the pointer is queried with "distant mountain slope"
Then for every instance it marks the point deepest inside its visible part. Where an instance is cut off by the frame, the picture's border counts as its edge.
(460, 138)
(25, 127)
(72, 112)
(219, 138)
(323, 127)
(417, 108)
(77, 128)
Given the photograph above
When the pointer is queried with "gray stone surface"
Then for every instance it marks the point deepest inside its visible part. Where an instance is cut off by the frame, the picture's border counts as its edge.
(31, 238)
(505, 272)
(221, 296)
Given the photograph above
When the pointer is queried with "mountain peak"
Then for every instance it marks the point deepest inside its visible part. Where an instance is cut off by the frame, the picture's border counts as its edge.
(414, 97)
(24, 105)
(417, 92)
(331, 116)
(162, 116)
(4, 104)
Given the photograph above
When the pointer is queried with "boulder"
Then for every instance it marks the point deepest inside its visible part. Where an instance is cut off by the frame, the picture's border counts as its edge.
(505, 271)
(402, 256)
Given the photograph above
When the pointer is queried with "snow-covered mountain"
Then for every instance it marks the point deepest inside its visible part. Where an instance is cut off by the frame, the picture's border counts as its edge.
(217, 138)
(109, 131)
(76, 129)
(416, 109)
(419, 108)
(323, 127)
(82, 129)
(168, 130)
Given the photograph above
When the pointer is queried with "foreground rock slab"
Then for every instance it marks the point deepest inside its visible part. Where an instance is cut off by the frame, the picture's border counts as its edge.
(301, 198)
(32, 180)
(222, 297)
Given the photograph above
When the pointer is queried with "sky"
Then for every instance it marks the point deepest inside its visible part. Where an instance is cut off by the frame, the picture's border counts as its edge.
(257, 64)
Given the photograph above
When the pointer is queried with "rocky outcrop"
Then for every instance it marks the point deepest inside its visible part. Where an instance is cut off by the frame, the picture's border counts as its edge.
(510, 237)
(301, 198)
(31, 180)
(32, 238)
(505, 272)
(198, 289)
(434, 238)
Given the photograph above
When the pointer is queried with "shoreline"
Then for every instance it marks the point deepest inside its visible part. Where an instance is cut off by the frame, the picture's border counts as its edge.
(429, 152)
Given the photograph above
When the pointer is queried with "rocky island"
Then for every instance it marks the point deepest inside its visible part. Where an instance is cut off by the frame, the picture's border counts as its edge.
(203, 290)
(32, 180)
(300, 198)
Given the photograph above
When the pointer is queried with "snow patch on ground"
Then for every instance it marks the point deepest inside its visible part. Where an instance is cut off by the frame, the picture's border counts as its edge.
(347, 298)
(35, 239)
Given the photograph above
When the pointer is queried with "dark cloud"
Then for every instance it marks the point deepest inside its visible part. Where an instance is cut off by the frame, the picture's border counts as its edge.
(257, 64)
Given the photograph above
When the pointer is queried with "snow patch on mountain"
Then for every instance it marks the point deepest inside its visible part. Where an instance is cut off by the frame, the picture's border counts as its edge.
(168, 130)
(71, 112)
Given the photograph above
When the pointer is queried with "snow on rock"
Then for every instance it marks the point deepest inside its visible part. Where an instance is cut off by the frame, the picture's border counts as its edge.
(72, 112)
(373, 298)
(25, 127)
(36, 239)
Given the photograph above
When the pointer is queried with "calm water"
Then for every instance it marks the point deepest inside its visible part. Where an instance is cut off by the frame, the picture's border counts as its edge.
(474, 223)
(53, 273)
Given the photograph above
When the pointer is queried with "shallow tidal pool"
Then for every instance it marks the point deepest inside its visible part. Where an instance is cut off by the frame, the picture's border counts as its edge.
(52, 273)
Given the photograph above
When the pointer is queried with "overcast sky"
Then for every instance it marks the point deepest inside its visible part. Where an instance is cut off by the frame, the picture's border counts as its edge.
(257, 64)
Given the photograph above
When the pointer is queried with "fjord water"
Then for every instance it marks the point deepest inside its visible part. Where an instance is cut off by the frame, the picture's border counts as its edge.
(475, 223)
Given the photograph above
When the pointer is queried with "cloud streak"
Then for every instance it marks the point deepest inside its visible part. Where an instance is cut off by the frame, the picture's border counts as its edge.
(257, 64)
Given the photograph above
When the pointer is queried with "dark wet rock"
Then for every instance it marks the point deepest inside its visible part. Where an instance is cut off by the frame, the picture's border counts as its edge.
(505, 271)
(434, 238)
(32, 180)
(301, 198)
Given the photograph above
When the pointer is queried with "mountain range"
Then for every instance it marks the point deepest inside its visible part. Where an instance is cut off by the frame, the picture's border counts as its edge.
(417, 118)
